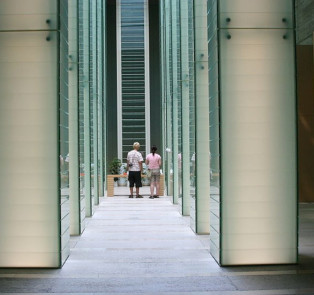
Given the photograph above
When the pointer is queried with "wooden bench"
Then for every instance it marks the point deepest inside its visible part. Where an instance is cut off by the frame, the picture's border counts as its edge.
(110, 183)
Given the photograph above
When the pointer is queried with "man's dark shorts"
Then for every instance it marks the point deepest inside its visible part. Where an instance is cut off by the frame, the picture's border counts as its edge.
(135, 178)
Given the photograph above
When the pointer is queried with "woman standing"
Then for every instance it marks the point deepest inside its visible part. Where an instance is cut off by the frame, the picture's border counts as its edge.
(153, 161)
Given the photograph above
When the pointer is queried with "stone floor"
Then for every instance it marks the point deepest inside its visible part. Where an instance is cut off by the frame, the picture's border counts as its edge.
(144, 246)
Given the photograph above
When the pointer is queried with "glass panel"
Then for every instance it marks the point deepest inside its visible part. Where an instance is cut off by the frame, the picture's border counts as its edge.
(75, 217)
(36, 15)
(192, 130)
(256, 14)
(168, 82)
(174, 98)
(258, 148)
(64, 132)
(93, 102)
(184, 160)
(84, 110)
(179, 103)
(81, 112)
(214, 131)
(100, 90)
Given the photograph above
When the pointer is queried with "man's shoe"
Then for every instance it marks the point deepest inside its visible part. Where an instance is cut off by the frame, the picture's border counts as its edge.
(139, 197)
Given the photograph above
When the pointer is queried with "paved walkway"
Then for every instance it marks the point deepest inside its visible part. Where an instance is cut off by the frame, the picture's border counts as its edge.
(144, 246)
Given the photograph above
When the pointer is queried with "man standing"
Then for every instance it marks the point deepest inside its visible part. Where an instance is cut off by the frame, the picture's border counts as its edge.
(134, 166)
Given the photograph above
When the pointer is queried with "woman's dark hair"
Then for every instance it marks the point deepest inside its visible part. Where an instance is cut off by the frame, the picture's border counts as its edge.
(154, 149)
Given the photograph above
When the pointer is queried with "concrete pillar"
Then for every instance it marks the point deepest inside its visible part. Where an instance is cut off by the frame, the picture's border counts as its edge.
(201, 117)
(174, 101)
(84, 109)
(253, 133)
(34, 209)
(75, 208)
(185, 111)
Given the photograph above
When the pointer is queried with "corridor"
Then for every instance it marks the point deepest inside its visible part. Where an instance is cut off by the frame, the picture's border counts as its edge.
(144, 246)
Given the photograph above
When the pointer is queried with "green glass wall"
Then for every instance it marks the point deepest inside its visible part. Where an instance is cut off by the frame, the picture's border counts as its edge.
(100, 95)
(185, 133)
(167, 95)
(64, 133)
(201, 117)
(175, 97)
(190, 196)
(184, 165)
(214, 129)
(84, 107)
(82, 79)
(93, 101)
(76, 130)
(92, 75)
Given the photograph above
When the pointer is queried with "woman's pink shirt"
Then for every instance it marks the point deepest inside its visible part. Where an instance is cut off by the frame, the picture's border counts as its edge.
(153, 161)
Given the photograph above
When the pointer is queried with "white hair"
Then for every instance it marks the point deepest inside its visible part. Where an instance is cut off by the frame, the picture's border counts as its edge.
(136, 145)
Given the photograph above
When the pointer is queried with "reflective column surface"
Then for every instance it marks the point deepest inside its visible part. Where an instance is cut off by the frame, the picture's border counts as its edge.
(254, 169)
(33, 165)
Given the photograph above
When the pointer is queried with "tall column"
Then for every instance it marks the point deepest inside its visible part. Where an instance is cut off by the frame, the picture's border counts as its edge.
(254, 189)
(34, 219)
(185, 110)
(100, 95)
(174, 100)
(168, 106)
(202, 117)
(104, 93)
(163, 79)
(93, 99)
(75, 225)
(84, 97)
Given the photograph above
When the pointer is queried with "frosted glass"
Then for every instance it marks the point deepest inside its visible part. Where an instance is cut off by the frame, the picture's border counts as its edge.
(64, 131)
(214, 131)
(258, 150)
(101, 92)
(175, 98)
(256, 14)
(35, 15)
(93, 101)
(75, 228)
(201, 118)
(29, 211)
(192, 113)
(185, 163)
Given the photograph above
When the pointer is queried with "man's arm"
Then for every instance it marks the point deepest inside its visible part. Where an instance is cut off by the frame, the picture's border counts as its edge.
(141, 166)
